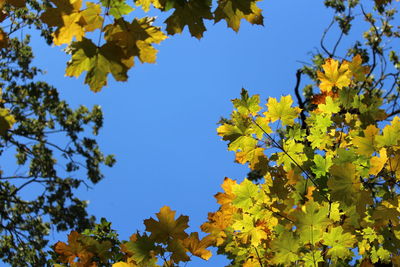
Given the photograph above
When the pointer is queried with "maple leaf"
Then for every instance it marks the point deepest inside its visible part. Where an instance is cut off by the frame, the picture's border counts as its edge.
(393, 165)
(145, 4)
(92, 17)
(312, 219)
(344, 184)
(387, 211)
(247, 105)
(238, 133)
(71, 21)
(380, 254)
(70, 29)
(136, 39)
(256, 158)
(198, 247)
(117, 8)
(356, 69)
(141, 249)
(330, 106)
(321, 98)
(218, 223)
(334, 75)
(116, 56)
(285, 248)
(167, 227)
(366, 144)
(244, 192)
(311, 259)
(233, 11)
(250, 155)
(250, 232)
(191, 13)
(7, 120)
(98, 62)
(322, 165)
(228, 195)
(319, 124)
(391, 134)
(74, 248)
(340, 243)
(293, 154)
(282, 110)
(178, 250)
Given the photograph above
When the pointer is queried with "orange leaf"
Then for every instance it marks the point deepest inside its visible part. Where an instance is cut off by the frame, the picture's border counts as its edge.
(334, 75)
(198, 247)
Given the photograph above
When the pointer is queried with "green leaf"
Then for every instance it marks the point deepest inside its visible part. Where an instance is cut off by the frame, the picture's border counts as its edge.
(391, 134)
(141, 249)
(340, 243)
(293, 155)
(286, 248)
(344, 184)
(117, 8)
(312, 219)
(322, 165)
(190, 13)
(247, 105)
(244, 193)
(98, 62)
(330, 106)
(366, 144)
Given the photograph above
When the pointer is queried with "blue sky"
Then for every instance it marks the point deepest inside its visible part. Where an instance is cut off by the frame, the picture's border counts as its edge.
(161, 124)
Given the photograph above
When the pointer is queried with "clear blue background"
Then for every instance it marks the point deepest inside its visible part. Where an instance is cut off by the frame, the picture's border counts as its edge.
(161, 124)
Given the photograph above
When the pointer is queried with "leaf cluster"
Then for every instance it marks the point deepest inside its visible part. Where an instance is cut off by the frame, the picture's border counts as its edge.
(124, 39)
(165, 241)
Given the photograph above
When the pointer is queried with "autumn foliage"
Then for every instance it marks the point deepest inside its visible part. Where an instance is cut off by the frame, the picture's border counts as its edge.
(118, 44)
(328, 193)
(324, 175)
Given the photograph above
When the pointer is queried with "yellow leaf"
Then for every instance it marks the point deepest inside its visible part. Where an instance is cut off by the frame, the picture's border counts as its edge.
(233, 11)
(67, 17)
(226, 197)
(7, 120)
(69, 30)
(377, 163)
(218, 222)
(147, 3)
(198, 247)
(92, 17)
(124, 264)
(393, 164)
(334, 75)
(282, 110)
(135, 38)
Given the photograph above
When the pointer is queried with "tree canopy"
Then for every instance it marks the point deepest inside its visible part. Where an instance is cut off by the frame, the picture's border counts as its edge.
(322, 187)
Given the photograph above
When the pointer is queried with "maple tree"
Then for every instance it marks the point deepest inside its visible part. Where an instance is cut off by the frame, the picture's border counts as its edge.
(68, 22)
(323, 187)
(323, 181)
(33, 119)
